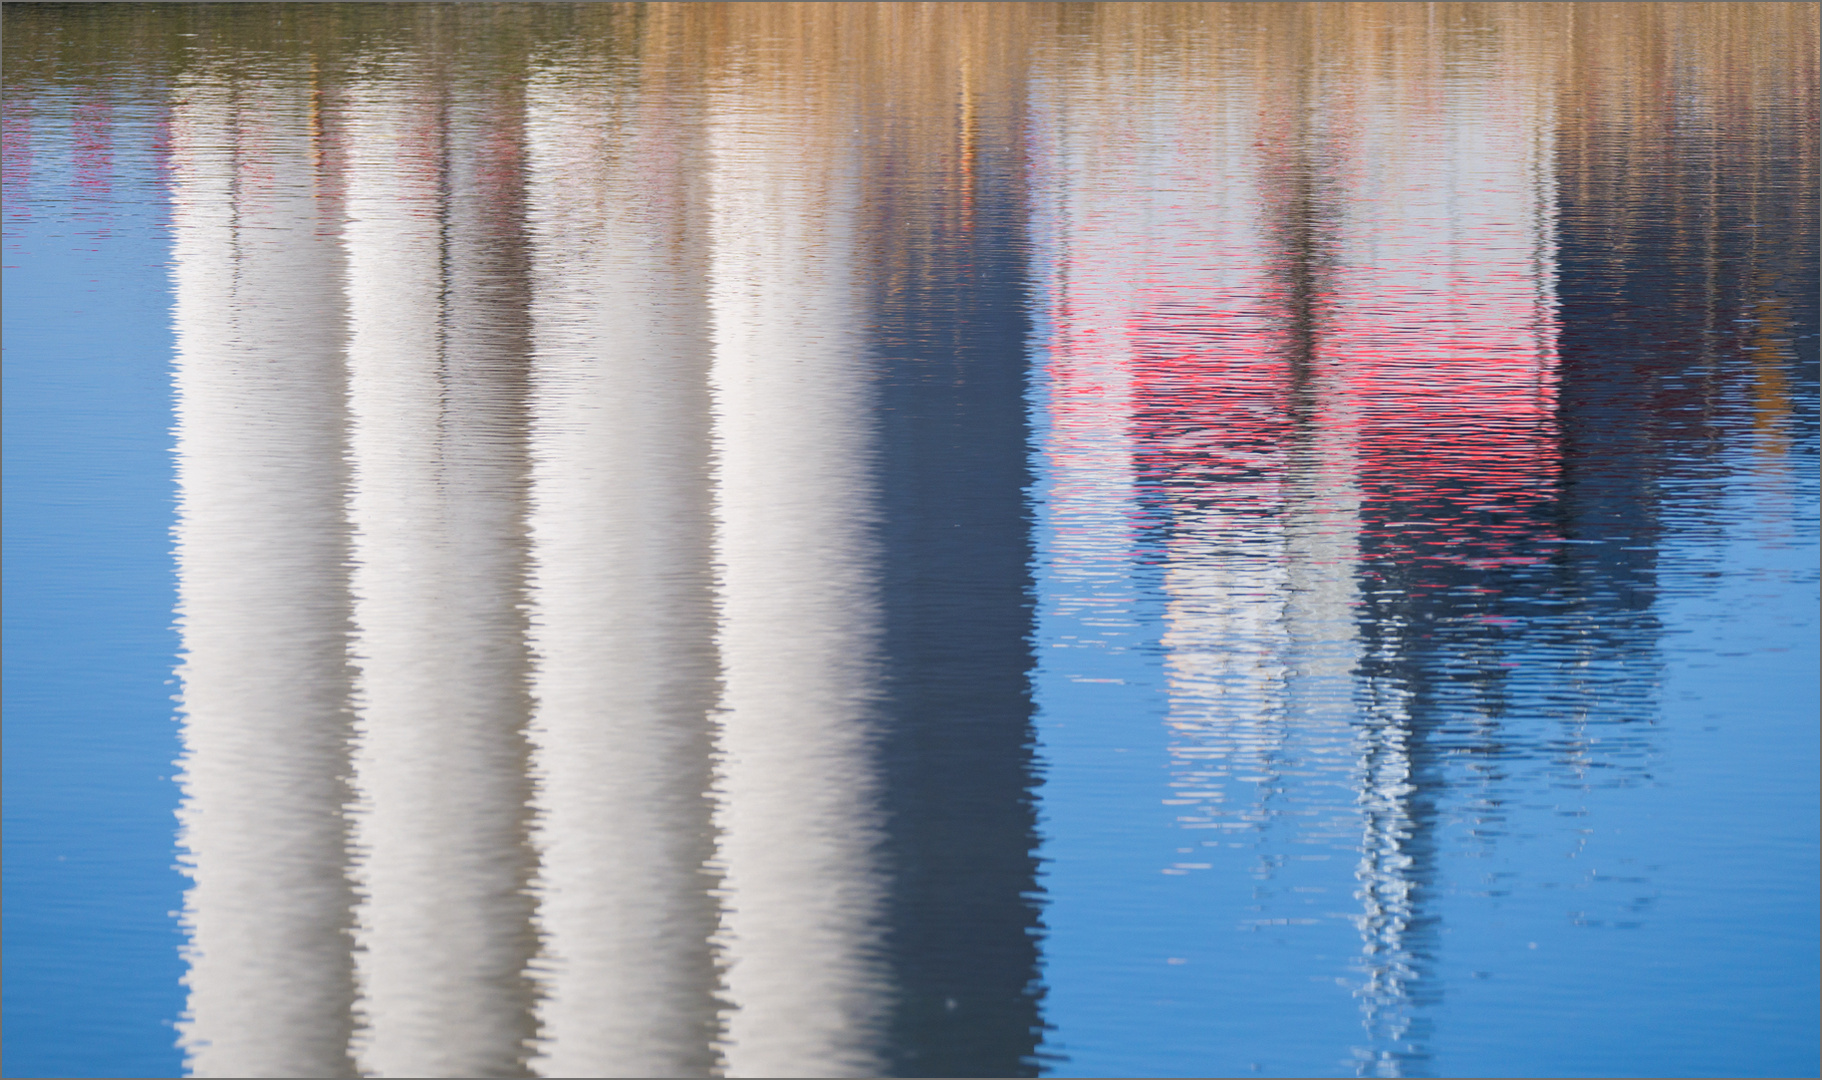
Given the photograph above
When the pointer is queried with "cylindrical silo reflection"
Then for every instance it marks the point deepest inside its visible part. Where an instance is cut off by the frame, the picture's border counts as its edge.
(436, 398)
(621, 586)
(262, 551)
(796, 785)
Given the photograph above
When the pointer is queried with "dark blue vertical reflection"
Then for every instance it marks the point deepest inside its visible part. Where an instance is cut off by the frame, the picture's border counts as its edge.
(951, 315)
(1687, 284)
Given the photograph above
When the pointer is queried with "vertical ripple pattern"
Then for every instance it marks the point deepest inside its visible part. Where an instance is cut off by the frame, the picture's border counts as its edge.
(929, 539)
(262, 568)
(796, 788)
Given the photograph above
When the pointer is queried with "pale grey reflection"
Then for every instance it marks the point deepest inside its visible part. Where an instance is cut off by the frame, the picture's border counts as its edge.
(437, 502)
(621, 583)
(797, 789)
(262, 549)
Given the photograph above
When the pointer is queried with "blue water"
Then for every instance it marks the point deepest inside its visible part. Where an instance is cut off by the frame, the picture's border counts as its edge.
(92, 975)
(977, 540)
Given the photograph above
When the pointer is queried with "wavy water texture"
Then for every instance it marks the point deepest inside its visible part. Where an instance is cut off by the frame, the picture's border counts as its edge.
(928, 539)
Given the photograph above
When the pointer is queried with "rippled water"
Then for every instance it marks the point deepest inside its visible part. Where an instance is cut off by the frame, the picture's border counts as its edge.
(911, 539)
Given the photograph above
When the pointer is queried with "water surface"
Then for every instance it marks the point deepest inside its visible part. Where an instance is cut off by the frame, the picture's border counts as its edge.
(911, 539)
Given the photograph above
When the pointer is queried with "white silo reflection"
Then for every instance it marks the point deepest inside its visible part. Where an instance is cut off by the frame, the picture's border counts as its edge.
(262, 548)
(796, 785)
(436, 387)
(621, 584)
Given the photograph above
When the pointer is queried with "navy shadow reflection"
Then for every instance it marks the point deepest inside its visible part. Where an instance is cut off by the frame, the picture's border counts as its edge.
(951, 303)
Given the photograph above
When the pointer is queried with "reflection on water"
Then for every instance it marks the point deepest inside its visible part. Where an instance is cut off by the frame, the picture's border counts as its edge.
(435, 308)
(797, 784)
(954, 539)
(1317, 352)
(623, 605)
(264, 604)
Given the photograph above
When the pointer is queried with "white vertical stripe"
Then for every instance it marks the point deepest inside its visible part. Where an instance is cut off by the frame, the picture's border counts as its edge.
(797, 785)
(622, 623)
(261, 546)
(441, 760)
